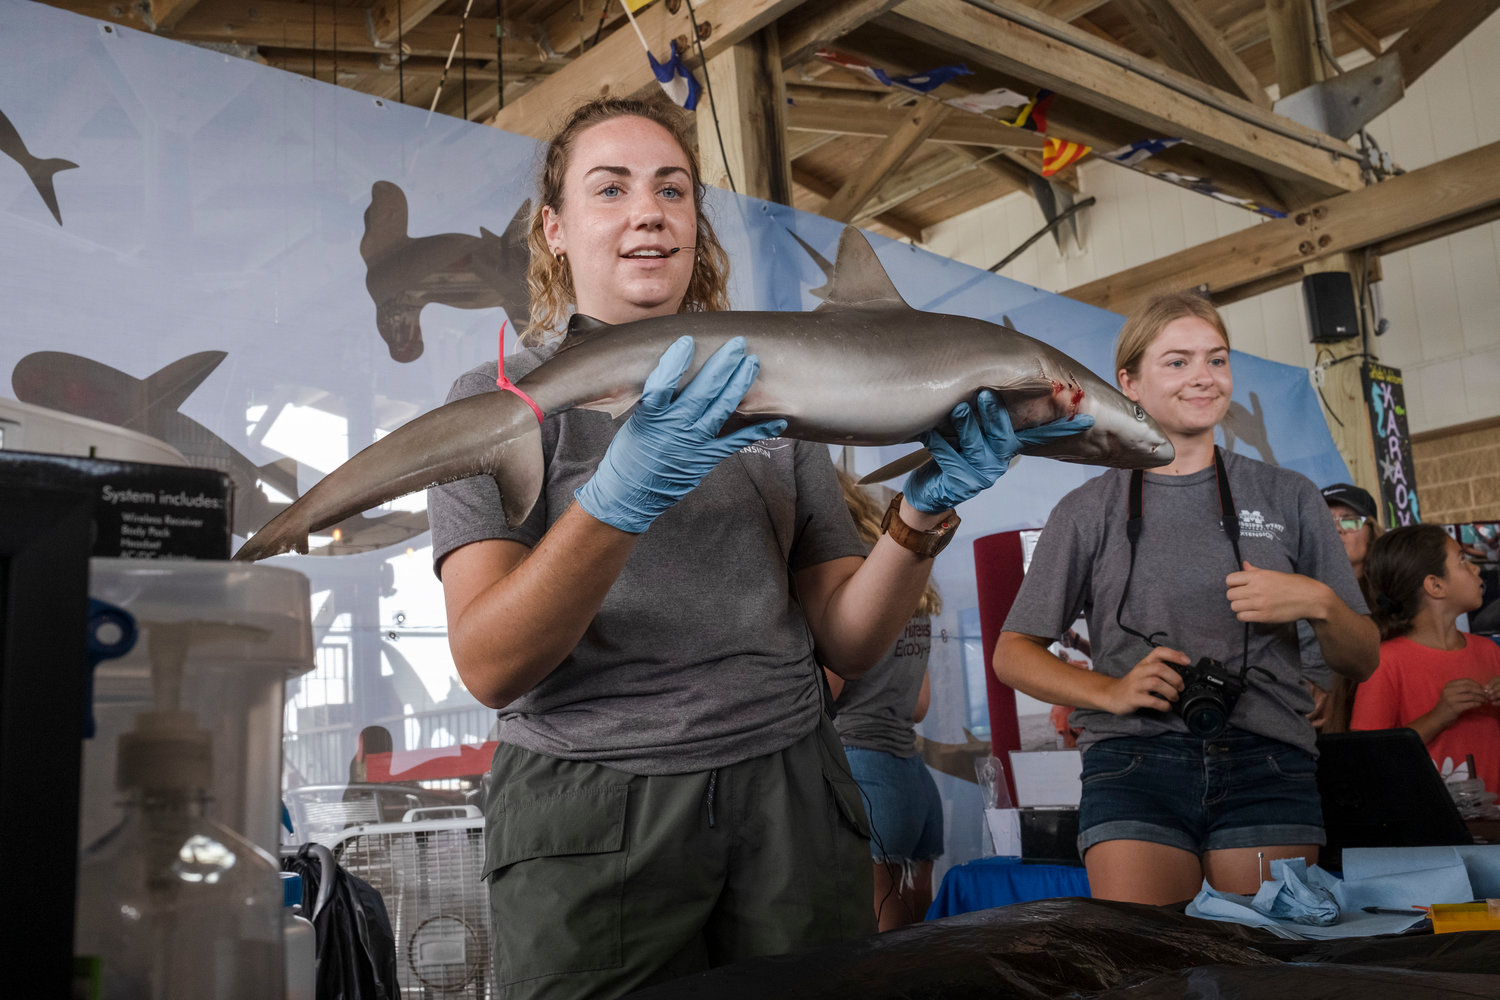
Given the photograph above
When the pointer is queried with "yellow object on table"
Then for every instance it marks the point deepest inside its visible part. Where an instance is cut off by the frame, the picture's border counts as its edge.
(1450, 917)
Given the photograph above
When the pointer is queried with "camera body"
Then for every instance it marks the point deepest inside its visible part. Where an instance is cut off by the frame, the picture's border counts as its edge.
(1209, 694)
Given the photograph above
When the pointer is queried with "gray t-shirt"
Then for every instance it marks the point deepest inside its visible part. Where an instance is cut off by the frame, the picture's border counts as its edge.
(1083, 555)
(877, 711)
(700, 655)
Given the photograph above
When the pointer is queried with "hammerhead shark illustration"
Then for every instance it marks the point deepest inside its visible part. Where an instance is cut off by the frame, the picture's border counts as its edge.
(864, 368)
(39, 169)
(88, 388)
(404, 273)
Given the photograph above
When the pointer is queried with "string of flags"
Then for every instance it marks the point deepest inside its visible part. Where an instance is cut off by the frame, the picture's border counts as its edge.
(1137, 153)
(676, 80)
(1057, 154)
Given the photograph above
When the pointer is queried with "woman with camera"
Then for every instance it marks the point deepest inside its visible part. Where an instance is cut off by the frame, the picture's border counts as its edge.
(1198, 756)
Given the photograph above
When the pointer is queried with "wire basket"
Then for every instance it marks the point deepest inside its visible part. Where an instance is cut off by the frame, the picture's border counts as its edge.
(428, 872)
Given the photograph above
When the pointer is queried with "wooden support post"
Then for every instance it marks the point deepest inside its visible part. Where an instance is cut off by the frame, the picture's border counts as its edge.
(1294, 42)
(749, 97)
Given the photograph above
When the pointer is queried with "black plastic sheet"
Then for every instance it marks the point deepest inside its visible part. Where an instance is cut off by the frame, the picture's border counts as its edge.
(1100, 950)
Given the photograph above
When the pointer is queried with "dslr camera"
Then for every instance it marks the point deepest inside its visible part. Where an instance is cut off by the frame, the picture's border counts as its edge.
(1209, 694)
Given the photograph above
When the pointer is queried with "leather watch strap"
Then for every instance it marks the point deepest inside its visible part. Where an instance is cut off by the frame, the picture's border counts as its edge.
(924, 543)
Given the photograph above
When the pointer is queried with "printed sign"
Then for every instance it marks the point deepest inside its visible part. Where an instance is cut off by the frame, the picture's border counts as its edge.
(1398, 483)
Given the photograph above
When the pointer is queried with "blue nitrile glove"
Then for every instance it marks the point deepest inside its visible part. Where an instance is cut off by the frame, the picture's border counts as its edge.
(986, 445)
(668, 445)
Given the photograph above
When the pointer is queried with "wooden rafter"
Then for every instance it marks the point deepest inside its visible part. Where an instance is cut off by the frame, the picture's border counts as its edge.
(1457, 192)
(1439, 30)
(850, 118)
(1259, 139)
(1188, 42)
(166, 14)
(824, 188)
(815, 25)
(898, 147)
(617, 66)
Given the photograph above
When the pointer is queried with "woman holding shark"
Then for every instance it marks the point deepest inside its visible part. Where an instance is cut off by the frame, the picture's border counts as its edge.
(668, 793)
(1198, 756)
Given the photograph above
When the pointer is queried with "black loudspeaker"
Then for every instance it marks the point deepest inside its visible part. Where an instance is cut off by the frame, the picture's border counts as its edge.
(1331, 311)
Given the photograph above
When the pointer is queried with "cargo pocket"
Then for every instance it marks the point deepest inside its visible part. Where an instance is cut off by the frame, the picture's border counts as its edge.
(840, 780)
(555, 864)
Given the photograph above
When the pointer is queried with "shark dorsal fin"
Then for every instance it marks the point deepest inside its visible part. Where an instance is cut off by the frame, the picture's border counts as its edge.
(858, 278)
(583, 328)
(170, 387)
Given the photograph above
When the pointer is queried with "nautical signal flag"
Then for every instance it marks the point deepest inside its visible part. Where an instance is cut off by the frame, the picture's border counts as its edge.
(676, 79)
(1033, 116)
(1058, 154)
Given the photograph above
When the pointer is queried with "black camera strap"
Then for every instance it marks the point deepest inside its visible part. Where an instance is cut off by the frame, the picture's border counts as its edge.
(1229, 521)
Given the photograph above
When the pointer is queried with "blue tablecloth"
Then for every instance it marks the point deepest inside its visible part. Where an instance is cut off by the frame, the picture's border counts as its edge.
(991, 882)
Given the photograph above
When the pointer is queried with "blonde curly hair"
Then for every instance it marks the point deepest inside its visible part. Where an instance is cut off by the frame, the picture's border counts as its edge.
(868, 512)
(550, 280)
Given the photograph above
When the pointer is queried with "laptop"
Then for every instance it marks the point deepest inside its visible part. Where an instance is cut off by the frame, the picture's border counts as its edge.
(1380, 789)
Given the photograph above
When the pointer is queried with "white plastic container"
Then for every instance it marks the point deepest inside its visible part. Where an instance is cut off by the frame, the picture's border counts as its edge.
(243, 629)
(299, 940)
(171, 904)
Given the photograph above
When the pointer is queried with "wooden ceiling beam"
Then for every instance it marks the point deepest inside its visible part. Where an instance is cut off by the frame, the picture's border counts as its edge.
(859, 186)
(617, 66)
(1188, 42)
(393, 19)
(167, 13)
(1294, 43)
(1068, 10)
(863, 118)
(813, 26)
(1437, 32)
(1455, 193)
(823, 188)
(917, 178)
(1160, 100)
(1357, 30)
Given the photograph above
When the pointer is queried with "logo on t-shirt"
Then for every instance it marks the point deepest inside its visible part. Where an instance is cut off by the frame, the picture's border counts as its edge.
(1253, 524)
(766, 447)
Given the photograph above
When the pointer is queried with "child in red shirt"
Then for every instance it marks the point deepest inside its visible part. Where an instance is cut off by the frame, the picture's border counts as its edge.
(1441, 682)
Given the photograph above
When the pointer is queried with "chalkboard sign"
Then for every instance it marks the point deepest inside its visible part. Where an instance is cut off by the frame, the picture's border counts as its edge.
(1398, 483)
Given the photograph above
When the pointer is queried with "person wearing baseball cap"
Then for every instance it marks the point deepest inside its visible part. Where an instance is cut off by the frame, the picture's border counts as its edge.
(1356, 515)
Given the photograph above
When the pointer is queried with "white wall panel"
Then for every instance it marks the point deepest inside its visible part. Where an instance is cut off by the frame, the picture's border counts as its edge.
(1442, 298)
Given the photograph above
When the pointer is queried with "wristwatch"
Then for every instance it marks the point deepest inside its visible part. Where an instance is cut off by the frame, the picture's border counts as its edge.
(924, 543)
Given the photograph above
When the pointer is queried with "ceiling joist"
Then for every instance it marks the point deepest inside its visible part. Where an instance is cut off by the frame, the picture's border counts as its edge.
(1452, 193)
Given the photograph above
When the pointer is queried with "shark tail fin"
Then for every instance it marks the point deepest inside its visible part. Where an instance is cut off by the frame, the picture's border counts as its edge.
(42, 172)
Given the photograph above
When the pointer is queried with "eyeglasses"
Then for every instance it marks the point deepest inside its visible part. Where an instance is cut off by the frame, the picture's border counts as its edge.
(1348, 524)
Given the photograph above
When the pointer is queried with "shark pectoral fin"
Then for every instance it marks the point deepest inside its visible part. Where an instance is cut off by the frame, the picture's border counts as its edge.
(615, 406)
(517, 466)
(900, 467)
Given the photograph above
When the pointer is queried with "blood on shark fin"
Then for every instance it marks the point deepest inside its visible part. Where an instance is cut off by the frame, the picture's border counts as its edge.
(900, 467)
(859, 280)
(171, 386)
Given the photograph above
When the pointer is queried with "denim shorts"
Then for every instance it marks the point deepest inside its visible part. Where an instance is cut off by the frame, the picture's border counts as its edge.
(906, 814)
(1234, 790)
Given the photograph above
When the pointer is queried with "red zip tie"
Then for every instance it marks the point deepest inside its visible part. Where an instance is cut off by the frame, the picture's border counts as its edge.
(509, 386)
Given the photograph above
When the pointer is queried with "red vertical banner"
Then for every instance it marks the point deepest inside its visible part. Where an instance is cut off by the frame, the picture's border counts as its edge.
(998, 569)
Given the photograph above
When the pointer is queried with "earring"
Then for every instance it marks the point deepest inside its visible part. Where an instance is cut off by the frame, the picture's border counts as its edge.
(559, 256)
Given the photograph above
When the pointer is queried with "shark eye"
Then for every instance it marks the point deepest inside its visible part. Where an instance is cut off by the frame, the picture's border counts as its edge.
(1140, 414)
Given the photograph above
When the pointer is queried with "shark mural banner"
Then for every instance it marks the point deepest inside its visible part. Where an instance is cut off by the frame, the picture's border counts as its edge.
(271, 274)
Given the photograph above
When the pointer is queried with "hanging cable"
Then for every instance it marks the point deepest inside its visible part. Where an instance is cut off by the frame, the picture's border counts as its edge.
(464, 80)
(500, 53)
(462, 24)
(713, 106)
(400, 54)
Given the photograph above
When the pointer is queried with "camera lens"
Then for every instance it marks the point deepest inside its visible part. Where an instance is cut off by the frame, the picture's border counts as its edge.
(1205, 716)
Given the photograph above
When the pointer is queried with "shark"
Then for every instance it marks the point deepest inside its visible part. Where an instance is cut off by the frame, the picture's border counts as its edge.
(152, 405)
(863, 368)
(403, 273)
(39, 169)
